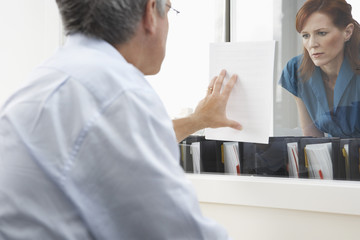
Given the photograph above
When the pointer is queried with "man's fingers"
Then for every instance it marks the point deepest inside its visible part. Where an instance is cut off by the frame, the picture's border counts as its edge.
(211, 86)
(219, 81)
(234, 124)
(229, 86)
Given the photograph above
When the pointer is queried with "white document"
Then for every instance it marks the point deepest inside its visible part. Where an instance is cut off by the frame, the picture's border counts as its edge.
(319, 160)
(231, 158)
(293, 165)
(251, 101)
(195, 151)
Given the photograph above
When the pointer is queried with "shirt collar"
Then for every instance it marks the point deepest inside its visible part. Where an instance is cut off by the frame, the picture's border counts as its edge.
(317, 85)
(345, 75)
(79, 39)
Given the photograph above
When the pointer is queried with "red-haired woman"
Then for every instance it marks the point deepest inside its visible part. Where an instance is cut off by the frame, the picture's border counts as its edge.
(325, 79)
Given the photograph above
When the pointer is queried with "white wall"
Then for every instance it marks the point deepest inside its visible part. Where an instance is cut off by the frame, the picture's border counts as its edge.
(355, 9)
(30, 32)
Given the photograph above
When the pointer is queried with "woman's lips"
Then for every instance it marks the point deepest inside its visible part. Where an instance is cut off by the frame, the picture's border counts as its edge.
(317, 55)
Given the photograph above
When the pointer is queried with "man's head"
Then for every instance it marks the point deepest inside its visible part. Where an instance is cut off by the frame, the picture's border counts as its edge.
(114, 21)
(137, 28)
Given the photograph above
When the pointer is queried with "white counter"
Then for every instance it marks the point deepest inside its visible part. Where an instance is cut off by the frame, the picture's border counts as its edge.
(281, 208)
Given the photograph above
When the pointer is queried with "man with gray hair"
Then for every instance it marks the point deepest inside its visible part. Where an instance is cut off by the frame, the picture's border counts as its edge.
(87, 150)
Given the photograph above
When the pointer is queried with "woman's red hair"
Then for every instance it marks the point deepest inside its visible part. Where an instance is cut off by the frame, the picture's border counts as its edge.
(340, 13)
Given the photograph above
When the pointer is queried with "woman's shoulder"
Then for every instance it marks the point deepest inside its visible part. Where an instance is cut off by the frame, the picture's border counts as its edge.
(290, 75)
(293, 64)
(291, 69)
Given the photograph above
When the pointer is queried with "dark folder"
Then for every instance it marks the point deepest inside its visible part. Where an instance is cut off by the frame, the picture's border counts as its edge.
(265, 159)
(186, 160)
(211, 156)
(350, 160)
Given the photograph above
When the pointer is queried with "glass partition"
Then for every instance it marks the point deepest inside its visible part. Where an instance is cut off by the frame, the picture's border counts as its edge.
(183, 80)
(184, 75)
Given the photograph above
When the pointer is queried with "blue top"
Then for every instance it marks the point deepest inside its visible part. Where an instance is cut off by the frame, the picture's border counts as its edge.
(344, 121)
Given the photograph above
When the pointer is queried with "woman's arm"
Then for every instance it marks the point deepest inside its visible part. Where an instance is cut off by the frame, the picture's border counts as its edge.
(211, 110)
(306, 123)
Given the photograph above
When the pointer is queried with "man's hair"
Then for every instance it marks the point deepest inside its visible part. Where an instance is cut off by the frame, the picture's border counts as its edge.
(114, 21)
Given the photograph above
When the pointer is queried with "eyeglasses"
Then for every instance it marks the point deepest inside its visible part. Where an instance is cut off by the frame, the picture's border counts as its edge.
(171, 8)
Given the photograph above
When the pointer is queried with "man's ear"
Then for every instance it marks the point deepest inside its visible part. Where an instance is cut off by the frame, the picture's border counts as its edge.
(349, 31)
(149, 18)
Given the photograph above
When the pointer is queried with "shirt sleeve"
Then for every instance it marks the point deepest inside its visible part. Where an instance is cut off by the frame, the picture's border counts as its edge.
(127, 181)
(290, 76)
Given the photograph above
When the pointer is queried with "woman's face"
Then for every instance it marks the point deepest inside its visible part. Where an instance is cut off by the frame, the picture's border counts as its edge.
(323, 40)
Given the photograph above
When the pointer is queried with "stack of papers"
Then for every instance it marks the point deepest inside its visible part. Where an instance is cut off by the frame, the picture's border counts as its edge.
(251, 101)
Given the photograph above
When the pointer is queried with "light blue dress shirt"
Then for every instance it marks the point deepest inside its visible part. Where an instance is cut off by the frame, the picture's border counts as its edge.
(341, 121)
(87, 151)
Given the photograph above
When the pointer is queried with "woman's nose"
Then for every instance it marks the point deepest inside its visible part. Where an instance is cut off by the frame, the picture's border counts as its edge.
(313, 42)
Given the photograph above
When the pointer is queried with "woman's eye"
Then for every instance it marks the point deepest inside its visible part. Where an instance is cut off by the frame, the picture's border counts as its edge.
(306, 36)
(322, 33)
